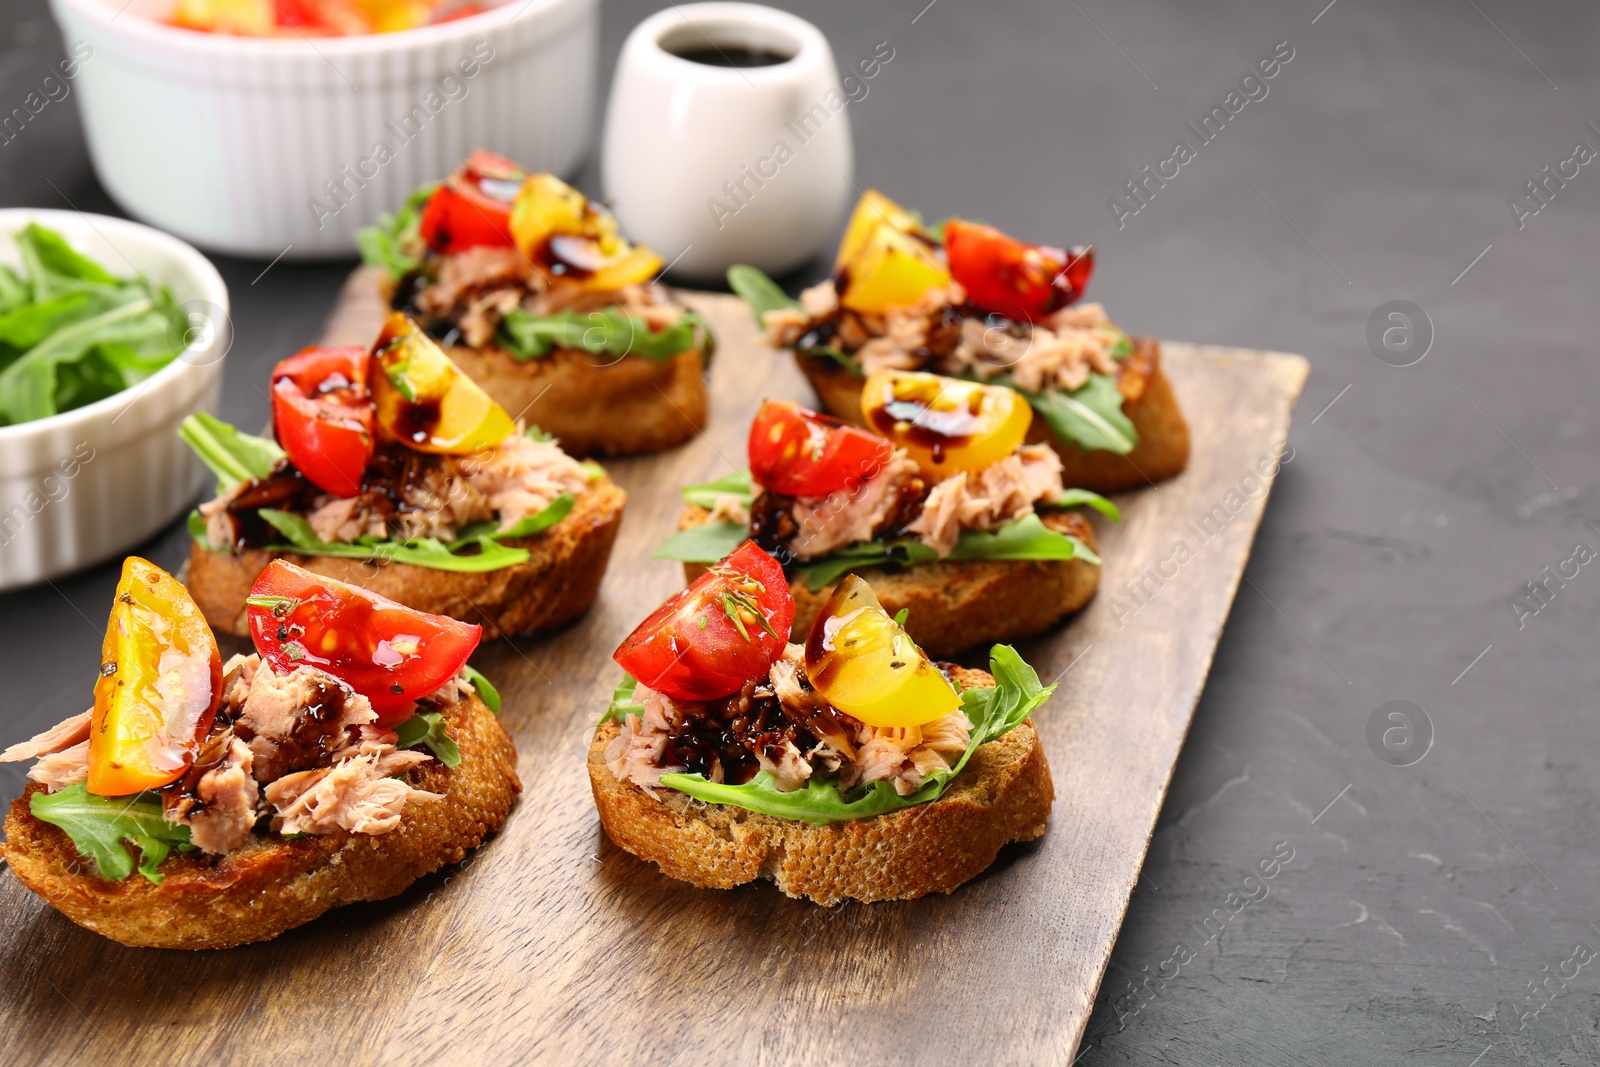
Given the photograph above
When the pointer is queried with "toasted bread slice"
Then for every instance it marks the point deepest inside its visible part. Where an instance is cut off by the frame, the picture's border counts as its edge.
(957, 604)
(1162, 451)
(1004, 794)
(273, 884)
(594, 407)
(556, 584)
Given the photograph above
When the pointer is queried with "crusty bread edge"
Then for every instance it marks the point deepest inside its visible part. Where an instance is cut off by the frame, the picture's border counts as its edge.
(1003, 795)
(274, 884)
(557, 583)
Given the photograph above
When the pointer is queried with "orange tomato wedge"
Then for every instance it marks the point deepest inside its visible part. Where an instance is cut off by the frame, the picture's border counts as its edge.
(575, 239)
(863, 663)
(159, 687)
(425, 401)
(946, 425)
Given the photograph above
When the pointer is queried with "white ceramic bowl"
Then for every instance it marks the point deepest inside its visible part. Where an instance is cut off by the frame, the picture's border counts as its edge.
(85, 485)
(714, 165)
(233, 142)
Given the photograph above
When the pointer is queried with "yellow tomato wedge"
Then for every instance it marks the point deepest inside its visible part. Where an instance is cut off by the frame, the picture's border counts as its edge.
(861, 661)
(576, 239)
(872, 211)
(251, 18)
(159, 686)
(946, 425)
(891, 269)
(425, 401)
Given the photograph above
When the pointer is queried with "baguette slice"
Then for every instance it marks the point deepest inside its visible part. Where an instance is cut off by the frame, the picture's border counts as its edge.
(273, 884)
(594, 407)
(556, 584)
(1162, 451)
(1003, 795)
(957, 604)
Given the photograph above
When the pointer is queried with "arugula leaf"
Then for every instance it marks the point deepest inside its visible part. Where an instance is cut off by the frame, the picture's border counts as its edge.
(233, 457)
(759, 291)
(53, 263)
(901, 616)
(607, 331)
(993, 712)
(1073, 497)
(622, 702)
(707, 543)
(547, 517)
(395, 243)
(99, 825)
(13, 291)
(427, 728)
(422, 551)
(1090, 416)
(1024, 538)
(486, 691)
(533, 433)
(738, 484)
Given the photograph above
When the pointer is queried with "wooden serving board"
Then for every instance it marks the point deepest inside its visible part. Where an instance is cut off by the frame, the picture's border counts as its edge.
(550, 944)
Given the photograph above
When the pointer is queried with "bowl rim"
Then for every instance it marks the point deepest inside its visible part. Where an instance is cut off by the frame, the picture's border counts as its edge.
(148, 31)
(188, 259)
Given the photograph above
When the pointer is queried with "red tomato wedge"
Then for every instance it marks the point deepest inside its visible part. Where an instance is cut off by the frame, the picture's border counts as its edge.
(322, 415)
(1011, 277)
(729, 626)
(472, 207)
(797, 452)
(387, 652)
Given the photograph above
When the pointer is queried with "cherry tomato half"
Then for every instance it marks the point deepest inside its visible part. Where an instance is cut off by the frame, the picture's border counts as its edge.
(159, 686)
(728, 627)
(387, 652)
(864, 663)
(322, 415)
(1011, 277)
(797, 452)
(472, 208)
(946, 424)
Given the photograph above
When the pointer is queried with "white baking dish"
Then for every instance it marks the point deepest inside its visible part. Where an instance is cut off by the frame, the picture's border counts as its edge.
(85, 485)
(233, 142)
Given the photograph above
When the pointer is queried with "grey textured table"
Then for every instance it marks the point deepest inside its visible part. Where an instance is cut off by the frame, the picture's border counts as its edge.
(1423, 905)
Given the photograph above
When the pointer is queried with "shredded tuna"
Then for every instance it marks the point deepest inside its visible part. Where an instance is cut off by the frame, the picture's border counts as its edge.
(1000, 493)
(221, 810)
(352, 795)
(293, 720)
(851, 514)
(729, 508)
(517, 478)
(57, 770)
(62, 735)
(635, 754)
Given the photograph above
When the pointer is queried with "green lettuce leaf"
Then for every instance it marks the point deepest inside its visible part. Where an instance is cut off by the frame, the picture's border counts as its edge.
(427, 728)
(395, 244)
(1091, 416)
(707, 543)
(486, 691)
(608, 331)
(622, 702)
(994, 712)
(233, 457)
(491, 555)
(759, 291)
(738, 484)
(1074, 497)
(98, 826)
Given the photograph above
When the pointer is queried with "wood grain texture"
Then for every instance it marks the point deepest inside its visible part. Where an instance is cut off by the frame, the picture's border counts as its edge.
(551, 944)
